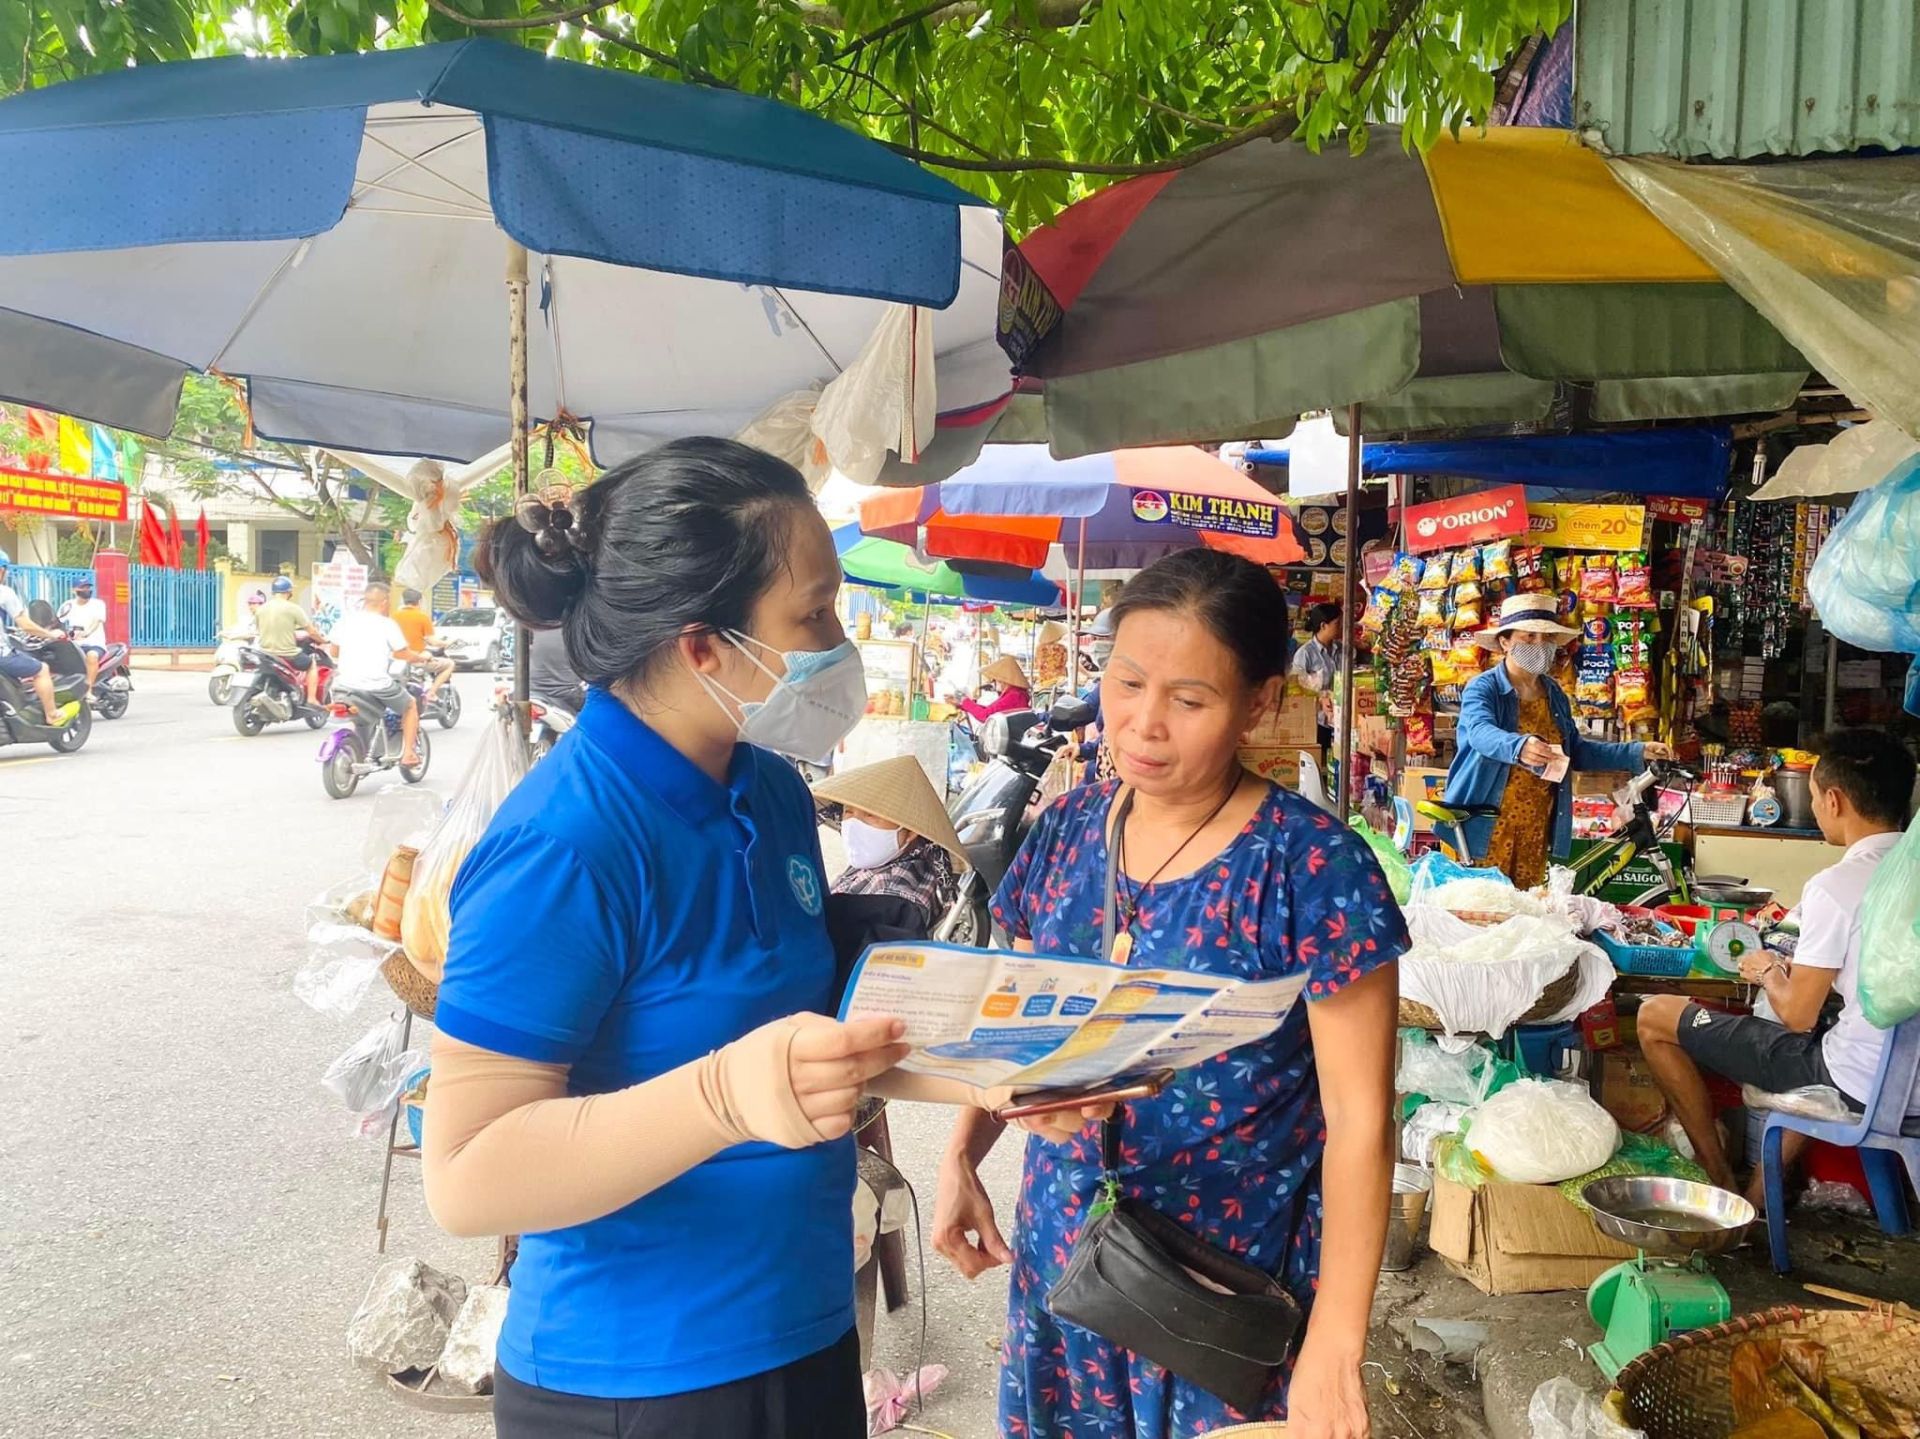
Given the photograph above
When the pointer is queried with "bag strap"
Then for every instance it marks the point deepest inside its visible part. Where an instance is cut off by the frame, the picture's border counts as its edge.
(1109, 935)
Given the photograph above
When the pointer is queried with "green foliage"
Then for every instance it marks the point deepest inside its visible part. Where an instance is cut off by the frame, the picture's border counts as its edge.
(1029, 103)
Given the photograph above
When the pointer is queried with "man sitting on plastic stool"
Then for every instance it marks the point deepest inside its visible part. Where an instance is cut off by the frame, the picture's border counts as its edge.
(1861, 789)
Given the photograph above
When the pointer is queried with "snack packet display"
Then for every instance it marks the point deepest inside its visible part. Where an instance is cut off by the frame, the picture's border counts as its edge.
(1466, 613)
(1529, 570)
(1419, 728)
(1406, 573)
(1496, 560)
(1433, 614)
(1633, 693)
(1634, 587)
(1467, 592)
(1437, 574)
(1593, 683)
(1598, 581)
(1465, 568)
(1378, 611)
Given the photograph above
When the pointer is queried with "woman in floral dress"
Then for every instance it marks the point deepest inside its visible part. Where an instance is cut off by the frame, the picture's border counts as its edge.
(1277, 1151)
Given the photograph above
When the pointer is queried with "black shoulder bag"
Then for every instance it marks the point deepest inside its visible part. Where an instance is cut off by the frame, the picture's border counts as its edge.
(1144, 1282)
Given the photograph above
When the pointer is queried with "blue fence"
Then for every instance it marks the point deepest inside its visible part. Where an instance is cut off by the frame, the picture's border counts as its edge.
(170, 609)
(174, 609)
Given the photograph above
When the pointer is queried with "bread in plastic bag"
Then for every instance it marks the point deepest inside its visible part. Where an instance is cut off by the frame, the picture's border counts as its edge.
(1540, 1131)
(425, 920)
(1890, 936)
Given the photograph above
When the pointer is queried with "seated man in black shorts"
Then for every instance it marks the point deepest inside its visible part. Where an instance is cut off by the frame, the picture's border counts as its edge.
(1861, 789)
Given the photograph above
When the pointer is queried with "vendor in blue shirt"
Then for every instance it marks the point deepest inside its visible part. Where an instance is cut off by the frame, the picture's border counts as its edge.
(634, 1070)
(1516, 725)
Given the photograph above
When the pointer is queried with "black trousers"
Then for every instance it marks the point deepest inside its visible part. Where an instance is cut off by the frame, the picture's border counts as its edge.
(818, 1397)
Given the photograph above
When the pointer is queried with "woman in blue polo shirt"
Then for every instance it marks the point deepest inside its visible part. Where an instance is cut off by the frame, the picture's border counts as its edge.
(633, 1070)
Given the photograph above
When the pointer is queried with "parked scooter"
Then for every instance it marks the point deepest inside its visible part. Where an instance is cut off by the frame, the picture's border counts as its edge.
(993, 814)
(278, 692)
(364, 741)
(22, 721)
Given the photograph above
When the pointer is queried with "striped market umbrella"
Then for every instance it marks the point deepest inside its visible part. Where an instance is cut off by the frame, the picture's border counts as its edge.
(1121, 510)
(1495, 277)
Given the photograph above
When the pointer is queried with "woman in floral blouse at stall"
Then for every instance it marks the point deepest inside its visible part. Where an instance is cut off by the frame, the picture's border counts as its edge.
(1280, 1151)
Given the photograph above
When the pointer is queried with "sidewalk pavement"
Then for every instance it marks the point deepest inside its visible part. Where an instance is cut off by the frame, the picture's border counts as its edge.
(201, 660)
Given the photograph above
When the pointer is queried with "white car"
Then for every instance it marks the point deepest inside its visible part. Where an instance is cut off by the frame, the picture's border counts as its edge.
(477, 638)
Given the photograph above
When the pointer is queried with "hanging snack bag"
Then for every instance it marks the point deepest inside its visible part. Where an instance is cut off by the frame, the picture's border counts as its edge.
(1634, 586)
(1378, 611)
(1631, 644)
(1433, 613)
(1466, 567)
(1406, 573)
(1593, 683)
(1598, 581)
(1467, 658)
(1633, 692)
(1419, 734)
(1529, 569)
(1496, 560)
(1466, 612)
(1436, 575)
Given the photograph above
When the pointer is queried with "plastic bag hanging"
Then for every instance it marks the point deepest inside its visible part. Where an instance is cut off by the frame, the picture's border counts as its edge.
(1865, 582)
(1890, 936)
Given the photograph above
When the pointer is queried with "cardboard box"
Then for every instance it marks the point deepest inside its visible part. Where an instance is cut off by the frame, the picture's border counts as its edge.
(1517, 1238)
(1625, 1087)
(1279, 763)
(1294, 723)
(1418, 785)
(1599, 781)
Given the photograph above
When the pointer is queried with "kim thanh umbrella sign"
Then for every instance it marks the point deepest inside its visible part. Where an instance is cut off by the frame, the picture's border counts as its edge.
(336, 230)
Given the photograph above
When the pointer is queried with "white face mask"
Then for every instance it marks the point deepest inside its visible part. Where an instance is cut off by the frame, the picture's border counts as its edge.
(812, 707)
(869, 846)
(1534, 659)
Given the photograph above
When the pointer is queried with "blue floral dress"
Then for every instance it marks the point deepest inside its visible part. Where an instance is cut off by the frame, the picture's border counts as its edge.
(1233, 1146)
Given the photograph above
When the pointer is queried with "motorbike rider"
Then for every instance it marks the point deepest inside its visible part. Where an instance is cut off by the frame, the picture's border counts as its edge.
(550, 674)
(281, 625)
(417, 625)
(22, 666)
(85, 618)
(366, 642)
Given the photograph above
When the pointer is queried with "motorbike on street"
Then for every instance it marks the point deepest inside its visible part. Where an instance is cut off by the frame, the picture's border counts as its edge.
(232, 663)
(278, 693)
(365, 741)
(22, 721)
(113, 680)
(443, 708)
(993, 814)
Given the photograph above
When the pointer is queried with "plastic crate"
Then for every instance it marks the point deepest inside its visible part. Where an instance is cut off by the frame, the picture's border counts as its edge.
(1727, 810)
(1660, 961)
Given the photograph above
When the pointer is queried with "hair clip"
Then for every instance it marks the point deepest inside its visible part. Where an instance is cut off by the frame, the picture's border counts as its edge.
(547, 514)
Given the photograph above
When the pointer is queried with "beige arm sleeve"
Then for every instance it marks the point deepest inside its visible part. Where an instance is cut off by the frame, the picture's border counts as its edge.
(507, 1150)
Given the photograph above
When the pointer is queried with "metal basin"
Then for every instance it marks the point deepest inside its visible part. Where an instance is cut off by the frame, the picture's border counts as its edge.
(1667, 1218)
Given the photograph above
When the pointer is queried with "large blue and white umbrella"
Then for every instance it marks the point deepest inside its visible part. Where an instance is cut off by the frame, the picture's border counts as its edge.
(331, 229)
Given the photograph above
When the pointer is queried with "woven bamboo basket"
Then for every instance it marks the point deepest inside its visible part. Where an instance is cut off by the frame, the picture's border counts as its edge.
(415, 990)
(1554, 998)
(1680, 1389)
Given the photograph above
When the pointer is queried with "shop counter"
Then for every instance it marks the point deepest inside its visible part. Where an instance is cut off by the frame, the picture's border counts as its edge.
(1781, 860)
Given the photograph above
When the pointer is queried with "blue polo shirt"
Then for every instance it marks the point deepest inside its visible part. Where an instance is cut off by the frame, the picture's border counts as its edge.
(624, 914)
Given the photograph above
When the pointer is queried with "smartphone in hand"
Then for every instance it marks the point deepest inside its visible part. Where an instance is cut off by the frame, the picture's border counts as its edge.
(1116, 1091)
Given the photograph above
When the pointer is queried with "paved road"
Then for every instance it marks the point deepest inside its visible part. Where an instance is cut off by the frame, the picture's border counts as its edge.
(185, 1222)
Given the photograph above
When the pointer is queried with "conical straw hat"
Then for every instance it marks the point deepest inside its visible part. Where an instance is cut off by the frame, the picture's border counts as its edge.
(1051, 633)
(1007, 671)
(898, 791)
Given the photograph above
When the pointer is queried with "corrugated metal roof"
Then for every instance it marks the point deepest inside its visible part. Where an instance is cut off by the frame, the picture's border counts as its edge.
(1734, 79)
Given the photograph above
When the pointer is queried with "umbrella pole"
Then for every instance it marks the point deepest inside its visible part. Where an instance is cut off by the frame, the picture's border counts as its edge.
(1079, 598)
(517, 414)
(1346, 612)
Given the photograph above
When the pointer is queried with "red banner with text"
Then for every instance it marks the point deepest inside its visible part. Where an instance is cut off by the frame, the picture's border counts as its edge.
(61, 497)
(1467, 519)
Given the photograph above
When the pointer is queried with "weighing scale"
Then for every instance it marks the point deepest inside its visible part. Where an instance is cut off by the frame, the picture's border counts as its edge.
(1723, 943)
(1666, 1288)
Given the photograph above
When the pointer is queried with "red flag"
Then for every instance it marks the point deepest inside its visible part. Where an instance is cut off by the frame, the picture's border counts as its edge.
(204, 535)
(176, 542)
(153, 536)
(46, 428)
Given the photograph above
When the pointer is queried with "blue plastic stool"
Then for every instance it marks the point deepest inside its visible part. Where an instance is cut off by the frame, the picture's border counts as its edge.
(1883, 1135)
(1539, 1048)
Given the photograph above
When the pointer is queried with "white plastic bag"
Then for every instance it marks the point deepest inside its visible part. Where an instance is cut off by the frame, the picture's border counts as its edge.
(884, 401)
(342, 960)
(1540, 1131)
(425, 919)
(1482, 979)
(370, 1074)
(1426, 1127)
(1426, 1068)
(1561, 1409)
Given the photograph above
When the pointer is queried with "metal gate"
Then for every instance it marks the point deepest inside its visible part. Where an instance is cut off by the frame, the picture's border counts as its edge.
(174, 609)
(52, 583)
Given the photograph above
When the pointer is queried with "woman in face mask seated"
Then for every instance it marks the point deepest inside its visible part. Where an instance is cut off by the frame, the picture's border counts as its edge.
(1517, 742)
(900, 844)
(1015, 693)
